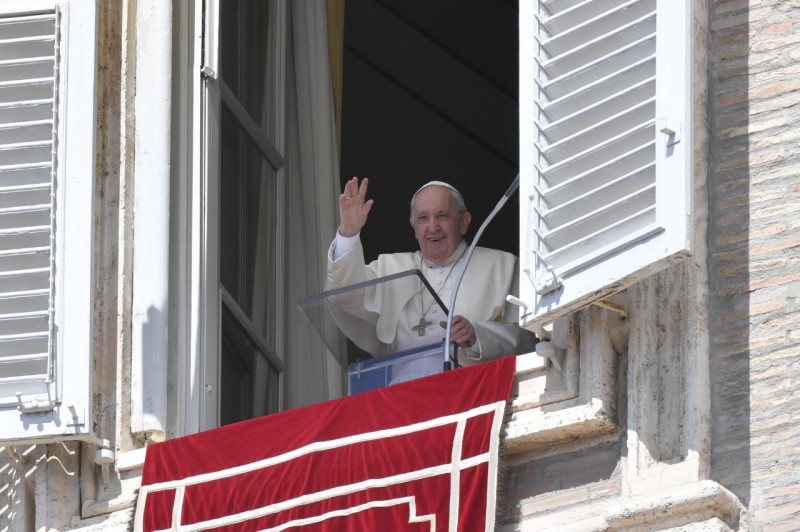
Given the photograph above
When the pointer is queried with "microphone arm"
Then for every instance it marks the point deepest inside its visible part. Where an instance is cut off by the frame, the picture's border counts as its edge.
(511, 189)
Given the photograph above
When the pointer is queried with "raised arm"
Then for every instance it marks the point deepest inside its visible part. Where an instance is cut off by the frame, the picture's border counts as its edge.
(354, 207)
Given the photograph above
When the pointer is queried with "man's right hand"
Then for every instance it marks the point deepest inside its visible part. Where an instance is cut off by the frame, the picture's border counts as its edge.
(353, 207)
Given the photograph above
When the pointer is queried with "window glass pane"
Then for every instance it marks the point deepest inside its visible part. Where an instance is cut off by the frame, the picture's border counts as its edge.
(249, 384)
(248, 207)
(247, 58)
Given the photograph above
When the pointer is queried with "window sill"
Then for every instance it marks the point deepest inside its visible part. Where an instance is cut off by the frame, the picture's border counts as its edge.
(691, 503)
(546, 406)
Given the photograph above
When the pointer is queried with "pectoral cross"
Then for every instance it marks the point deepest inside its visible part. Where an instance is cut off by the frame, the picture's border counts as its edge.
(420, 328)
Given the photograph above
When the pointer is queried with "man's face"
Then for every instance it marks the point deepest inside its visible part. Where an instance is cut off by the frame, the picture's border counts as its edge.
(438, 226)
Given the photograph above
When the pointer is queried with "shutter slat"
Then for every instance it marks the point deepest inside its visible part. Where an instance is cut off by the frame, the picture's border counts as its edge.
(25, 132)
(38, 152)
(26, 166)
(28, 302)
(582, 141)
(24, 280)
(26, 344)
(559, 192)
(595, 53)
(24, 338)
(46, 123)
(26, 89)
(30, 25)
(28, 102)
(586, 87)
(30, 63)
(21, 294)
(27, 378)
(34, 357)
(17, 245)
(588, 200)
(580, 12)
(28, 175)
(28, 196)
(605, 242)
(28, 81)
(29, 111)
(23, 188)
(26, 216)
(31, 325)
(18, 49)
(555, 7)
(27, 70)
(6, 148)
(567, 120)
(579, 163)
(602, 31)
(22, 368)
(34, 111)
(577, 227)
(28, 40)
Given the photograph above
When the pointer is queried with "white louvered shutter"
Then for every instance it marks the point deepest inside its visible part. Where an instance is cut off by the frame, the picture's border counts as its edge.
(46, 179)
(605, 157)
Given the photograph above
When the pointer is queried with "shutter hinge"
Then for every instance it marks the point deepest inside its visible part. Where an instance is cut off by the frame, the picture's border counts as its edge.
(208, 72)
(35, 405)
(551, 281)
(104, 454)
(555, 355)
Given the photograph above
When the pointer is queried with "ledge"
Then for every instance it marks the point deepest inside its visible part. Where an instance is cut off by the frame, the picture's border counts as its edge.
(690, 503)
(677, 506)
(531, 429)
(538, 384)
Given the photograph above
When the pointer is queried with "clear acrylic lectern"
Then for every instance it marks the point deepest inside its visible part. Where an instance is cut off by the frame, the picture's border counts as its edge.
(341, 314)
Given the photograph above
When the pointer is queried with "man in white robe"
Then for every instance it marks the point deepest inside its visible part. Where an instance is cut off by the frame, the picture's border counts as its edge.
(399, 316)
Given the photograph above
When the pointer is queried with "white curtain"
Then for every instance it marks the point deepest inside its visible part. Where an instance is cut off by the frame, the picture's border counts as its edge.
(312, 180)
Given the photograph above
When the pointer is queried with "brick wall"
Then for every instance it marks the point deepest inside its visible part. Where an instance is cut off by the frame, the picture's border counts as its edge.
(552, 483)
(754, 256)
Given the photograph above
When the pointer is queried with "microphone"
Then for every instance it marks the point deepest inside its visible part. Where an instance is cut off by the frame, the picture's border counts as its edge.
(511, 189)
(448, 360)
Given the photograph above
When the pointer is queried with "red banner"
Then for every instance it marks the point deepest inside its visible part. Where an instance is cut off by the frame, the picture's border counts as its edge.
(420, 455)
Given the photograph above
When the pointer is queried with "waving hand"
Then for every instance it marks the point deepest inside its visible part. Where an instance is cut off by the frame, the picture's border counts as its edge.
(354, 207)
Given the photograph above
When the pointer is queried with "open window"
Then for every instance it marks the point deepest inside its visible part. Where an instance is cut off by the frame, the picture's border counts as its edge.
(47, 80)
(243, 163)
(605, 153)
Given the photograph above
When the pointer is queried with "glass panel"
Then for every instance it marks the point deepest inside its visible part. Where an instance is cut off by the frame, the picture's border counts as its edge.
(248, 58)
(248, 188)
(249, 384)
(337, 313)
(340, 313)
(248, 206)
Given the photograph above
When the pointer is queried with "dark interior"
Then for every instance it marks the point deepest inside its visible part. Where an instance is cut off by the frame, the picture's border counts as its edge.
(430, 91)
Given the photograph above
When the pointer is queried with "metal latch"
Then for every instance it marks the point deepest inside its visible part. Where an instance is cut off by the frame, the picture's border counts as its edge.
(671, 129)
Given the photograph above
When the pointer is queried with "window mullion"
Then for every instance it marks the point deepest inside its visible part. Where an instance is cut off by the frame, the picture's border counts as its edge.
(256, 133)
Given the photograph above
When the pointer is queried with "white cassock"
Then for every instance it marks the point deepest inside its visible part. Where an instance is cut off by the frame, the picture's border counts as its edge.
(389, 315)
